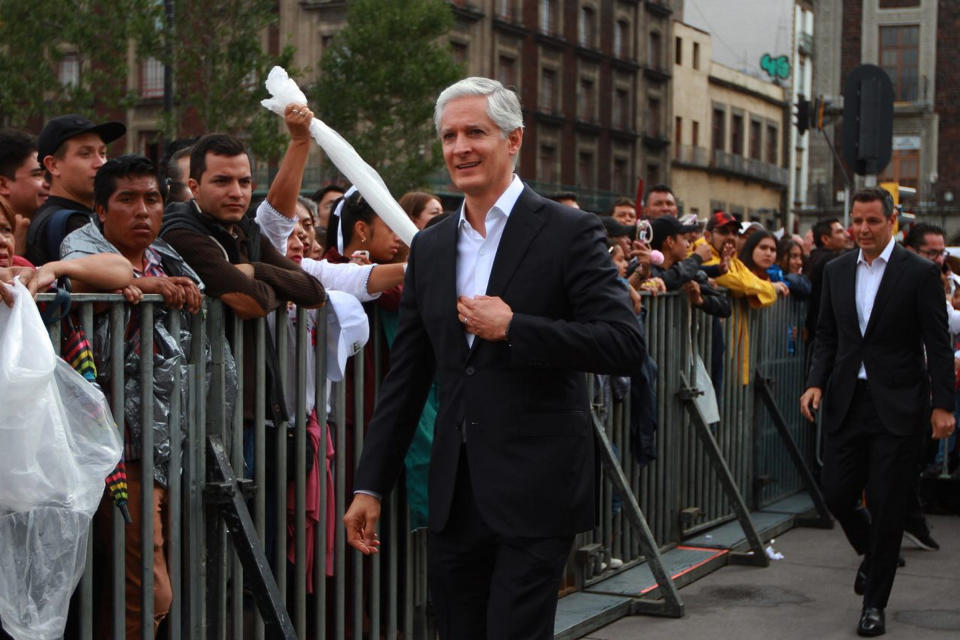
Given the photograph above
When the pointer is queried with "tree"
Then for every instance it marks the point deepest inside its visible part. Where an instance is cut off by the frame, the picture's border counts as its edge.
(91, 36)
(215, 48)
(379, 80)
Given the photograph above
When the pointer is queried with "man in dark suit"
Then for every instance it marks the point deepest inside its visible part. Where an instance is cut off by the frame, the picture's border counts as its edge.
(883, 366)
(507, 302)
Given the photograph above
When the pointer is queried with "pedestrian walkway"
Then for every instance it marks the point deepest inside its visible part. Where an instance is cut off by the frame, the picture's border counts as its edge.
(809, 594)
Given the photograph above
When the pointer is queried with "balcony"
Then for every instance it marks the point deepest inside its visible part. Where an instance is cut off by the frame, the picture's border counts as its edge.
(660, 8)
(692, 156)
(749, 168)
(468, 9)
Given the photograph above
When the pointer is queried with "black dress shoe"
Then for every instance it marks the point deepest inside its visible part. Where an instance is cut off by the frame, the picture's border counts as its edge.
(871, 622)
(922, 539)
(860, 582)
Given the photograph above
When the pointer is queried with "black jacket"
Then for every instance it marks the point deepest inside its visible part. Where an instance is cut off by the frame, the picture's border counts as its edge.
(715, 301)
(523, 403)
(908, 320)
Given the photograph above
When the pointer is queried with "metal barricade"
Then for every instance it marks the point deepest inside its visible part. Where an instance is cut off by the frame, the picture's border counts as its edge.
(216, 583)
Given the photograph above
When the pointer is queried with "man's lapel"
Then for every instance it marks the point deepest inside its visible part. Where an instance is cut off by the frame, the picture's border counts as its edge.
(523, 225)
(888, 284)
(446, 269)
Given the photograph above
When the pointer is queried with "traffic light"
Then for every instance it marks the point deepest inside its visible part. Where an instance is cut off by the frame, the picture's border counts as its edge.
(803, 114)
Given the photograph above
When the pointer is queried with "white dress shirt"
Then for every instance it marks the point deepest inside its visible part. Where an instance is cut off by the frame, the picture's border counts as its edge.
(475, 253)
(869, 276)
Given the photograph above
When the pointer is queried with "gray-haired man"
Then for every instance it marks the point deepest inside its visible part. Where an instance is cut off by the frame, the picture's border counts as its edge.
(507, 302)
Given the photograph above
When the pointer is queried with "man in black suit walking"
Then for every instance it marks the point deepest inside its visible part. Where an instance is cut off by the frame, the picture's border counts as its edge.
(507, 302)
(883, 366)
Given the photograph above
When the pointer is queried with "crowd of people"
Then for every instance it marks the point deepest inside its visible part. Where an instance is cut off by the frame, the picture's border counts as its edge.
(190, 229)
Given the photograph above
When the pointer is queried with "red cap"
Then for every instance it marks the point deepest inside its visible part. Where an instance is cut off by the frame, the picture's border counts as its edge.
(720, 219)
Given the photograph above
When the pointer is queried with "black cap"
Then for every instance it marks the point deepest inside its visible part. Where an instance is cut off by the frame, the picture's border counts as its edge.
(62, 128)
(667, 226)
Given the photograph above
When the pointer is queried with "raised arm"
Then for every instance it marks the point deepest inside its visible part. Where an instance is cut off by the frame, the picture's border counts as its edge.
(286, 184)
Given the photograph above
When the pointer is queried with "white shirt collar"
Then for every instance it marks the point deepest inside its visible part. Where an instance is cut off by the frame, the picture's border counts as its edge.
(884, 255)
(504, 203)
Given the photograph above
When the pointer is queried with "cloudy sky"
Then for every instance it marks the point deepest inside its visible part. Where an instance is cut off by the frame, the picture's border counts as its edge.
(743, 30)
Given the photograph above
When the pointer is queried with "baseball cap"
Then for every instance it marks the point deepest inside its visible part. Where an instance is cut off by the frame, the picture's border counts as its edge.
(347, 331)
(688, 219)
(721, 219)
(62, 128)
(749, 224)
(667, 226)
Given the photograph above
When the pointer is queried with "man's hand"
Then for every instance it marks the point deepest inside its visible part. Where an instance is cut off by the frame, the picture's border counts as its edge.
(297, 117)
(704, 250)
(810, 402)
(132, 293)
(943, 423)
(729, 250)
(485, 317)
(655, 286)
(692, 287)
(173, 295)
(246, 269)
(360, 521)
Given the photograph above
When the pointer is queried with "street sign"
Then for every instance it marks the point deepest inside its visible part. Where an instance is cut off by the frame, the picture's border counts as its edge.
(867, 119)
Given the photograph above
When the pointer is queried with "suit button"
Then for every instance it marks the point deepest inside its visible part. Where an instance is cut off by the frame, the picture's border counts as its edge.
(471, 371)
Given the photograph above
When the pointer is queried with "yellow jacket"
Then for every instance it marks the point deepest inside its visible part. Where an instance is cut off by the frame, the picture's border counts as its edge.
(741, 282)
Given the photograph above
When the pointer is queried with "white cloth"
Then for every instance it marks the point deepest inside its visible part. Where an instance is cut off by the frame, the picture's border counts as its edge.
(348, 277)
(475, 253)
(953, 319)
(869, 276)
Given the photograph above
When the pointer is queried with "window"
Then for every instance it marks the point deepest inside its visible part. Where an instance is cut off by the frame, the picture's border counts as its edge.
(151, 78)
(620, 170)
(549, 102)
(897, 4)
(653, 118)
(696, 55)
(548, 163)
(678, 56)
(68, 71)
(899, 56)
(678, 135)
(736, 135)
(585, 100)
(656, 60)
(653, 173)
(585, 167)
(459, 52)
(621, 39)
(756, 143)
(507, 72)
(548, 17)
(508, 10)
(904, 168)
(695, 133)
(772, 155)
(719, 132)
(588, 27)
(621, 109)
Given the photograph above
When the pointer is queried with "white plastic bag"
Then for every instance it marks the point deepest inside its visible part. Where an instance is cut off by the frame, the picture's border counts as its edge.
(57, 444)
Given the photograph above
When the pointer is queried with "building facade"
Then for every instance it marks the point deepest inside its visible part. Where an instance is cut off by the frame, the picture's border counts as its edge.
(593, 77)
(915, 42)
(729, 130)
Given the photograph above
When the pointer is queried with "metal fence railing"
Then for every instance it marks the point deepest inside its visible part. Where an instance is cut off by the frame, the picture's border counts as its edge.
(237, 548)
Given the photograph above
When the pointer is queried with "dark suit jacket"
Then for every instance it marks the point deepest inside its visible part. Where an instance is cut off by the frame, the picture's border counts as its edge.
(524, 403)
(909, 314)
